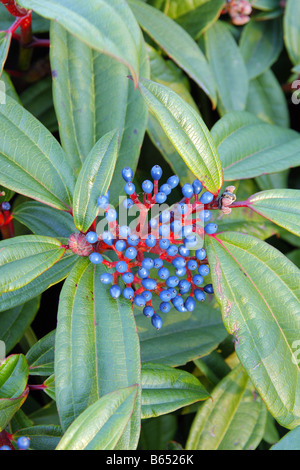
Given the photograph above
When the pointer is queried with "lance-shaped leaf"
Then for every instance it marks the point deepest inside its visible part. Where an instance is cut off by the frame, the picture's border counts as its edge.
(184, 51)
(234, 419)
(197, 20)
(5, 40)
(165, 389)
(22, 259)
(249, 147)
(13, 387)
(94, 180)
(187, 132)
(291, 441)
(281, 206)
(102, 424)
(31, 160)
(258, 289)
(105, 25)
(40, 356)
(96, 348)
(42, 437)
(292, 30)
(92, 96)
(15, 321)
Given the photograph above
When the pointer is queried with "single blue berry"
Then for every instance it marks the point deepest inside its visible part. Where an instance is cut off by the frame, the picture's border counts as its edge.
(147, 186)
(115, 291)
(5, 206)
(183, 251)
(173, 181)
(149, 284)
(121, 267)
(165, 307)
(182, 208)
(164, 216)
(190, 241)
(158, 263)
(127, 174)
(206, 197)
(186, 231)
(176, 226)
(180, 272)
(139, 301)
(148, 263)
(197, 186)
(150, 241)
(147, 295)
(172, 250)
(172, 281)
(102, 202)
(129, 188)
(91, 237)
(187, 190)
(164, 243)
(143, 273)
(95, 258)
(197, 280)
(133, 240)
(201, 254)
(128, 278)
(205, 216)
(177, 301)
(156, 172)
(131, 252)
(164, 231)
(211, 228)
(128, 293)
(179, 262)
(5, 448)
(148, 311)
(156, 321)
(124, 231)
(111, 215)
(163, 273)
(106, 278)
(203, 270)
(127, 203)
(184, 286)
(165, 295)
(173, 292)
(120, 245)
(160, 197)
(153, 223)
(209, 289)
(108, 238)
(192, 264)
(199, 295)
(190, 304)
(165, 188)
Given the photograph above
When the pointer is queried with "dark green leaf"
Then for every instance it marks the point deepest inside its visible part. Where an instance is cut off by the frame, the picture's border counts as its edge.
(291, 441)
(201, 18)
(5, 40)
(44, 437)
(40, 357)
(292, 30)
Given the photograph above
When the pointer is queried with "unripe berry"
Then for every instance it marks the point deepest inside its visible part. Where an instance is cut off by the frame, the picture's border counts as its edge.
(79, 245)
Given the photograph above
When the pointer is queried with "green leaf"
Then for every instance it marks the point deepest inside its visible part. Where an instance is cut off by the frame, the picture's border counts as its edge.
(52, 276)
(157, 432)
(184, 336)
(9, 87)
(31, 160)
(281, 206)
(42, 437)
(49, 386)
(5, 40)
(44, 220)
(15, 321)
(40, 356)
(94, 179)
(201, 18)
(92, 96)
(165, 389)
(265, 5)
(292, 30)
(249, 147)
(102, 424)
(96, 349)
(13, 383)
(291, 441)
(294, 256)
(234, 419)
(228, 67)
(258, 290)
(22, 259)
(175, 9)
(187, 132)
(165, 32)
(107, 26)
(260, 44)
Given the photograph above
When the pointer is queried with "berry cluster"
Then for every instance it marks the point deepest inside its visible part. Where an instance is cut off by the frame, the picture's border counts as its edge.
(155, 257)
(23, 443)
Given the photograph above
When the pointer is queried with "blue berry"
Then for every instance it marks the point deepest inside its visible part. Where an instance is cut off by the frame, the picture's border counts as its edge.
(160, 197)
(182, 208)
(133, 240)
(5, 206)
(165, 307)
(173, 181)
(172, 281)
(147, 295)
(156, 172)
(190, 241)
(164, 243)
(128, 293)
(120, 245)
(203, 270)
(149, 284)
(176, 226)
(172, 250)
(188, 190)
(205, 216)
(165, 188)
(197, 280)
(199, 295)
(165, 295)
(139, 301)
(158, 263)
(164, 216)
(95, 258)
(127, 174)
(127, 203)
(130, 253)
(102, 202)
(173, 292)
(108, 238)
(184, 286)
(163, 273)
(201, 254)
(209, 289)
(147, 186)
(106, 278)
(206, 197)
(115, 291)
(148, 263)
(111, 215)
(180, 272)
(156, 321)
(164, 231)
(183, 251)
(178, 302)
(179, 262)
(150, 241)
(124, 231)
(210, 228)
(197, 186)
(129, 188)
(190, 304)
(148, 311)
(153, 223)
(143, 273)
(186, 231)
(192, 264)
(127, 278)
(5, 448)
(91, 237)
(121, 267)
